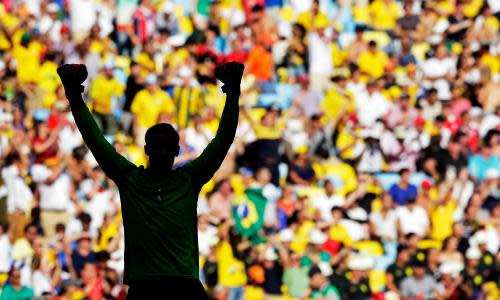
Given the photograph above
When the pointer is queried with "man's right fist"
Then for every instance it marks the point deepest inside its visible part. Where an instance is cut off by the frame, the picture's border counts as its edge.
(230, 73)
(73, 75)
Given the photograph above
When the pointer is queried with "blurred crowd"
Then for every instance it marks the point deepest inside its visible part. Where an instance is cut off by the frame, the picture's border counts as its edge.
(366, 162)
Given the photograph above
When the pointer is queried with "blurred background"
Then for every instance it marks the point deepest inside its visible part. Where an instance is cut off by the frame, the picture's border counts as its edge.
(366, 163)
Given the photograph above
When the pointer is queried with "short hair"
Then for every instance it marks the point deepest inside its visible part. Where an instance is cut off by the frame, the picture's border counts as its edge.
(403, 170)
(257, 8)
(162, 129)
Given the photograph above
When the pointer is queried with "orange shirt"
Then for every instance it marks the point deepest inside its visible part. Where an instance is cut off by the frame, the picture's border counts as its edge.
(260, 63)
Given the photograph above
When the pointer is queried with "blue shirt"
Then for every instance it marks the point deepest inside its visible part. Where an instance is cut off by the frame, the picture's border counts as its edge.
(478, 165)
(402, 195)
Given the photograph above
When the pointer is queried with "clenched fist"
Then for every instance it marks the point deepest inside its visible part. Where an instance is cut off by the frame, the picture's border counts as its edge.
(72, 77)
(230, 74)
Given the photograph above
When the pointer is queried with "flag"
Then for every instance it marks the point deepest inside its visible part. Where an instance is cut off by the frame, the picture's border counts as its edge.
(248, 212)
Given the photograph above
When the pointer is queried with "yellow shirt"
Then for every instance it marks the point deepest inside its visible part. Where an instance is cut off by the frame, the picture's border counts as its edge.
(334, 100)
(305, 19)
(384, 16)
(102, 91)
(147, 62)
(472, 8)
(254, 293)
(338, 56)
(148, 107)
(492, 62)
(301, 239)
(373, 63)
(9, 21)
(28, 61)
(231, 271)
(361, 14)
(339, 233)
(47, 78)
(188, 101)
(442, 220)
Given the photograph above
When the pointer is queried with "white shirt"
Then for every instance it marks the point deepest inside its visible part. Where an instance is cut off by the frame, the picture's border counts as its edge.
(385, 226)
(54, 196)
(439, 68)
(40, 282)
(83, 15)
(5, 259)
(198, 140)
(98, 206)
(325, 203)
(19, 195)
(69, 139)
(371, 161)
(356, 231)
(414, 221)
(206, 238)
(461, 192)
(53, 28)
(494, 5)
(371, 107)
(320, 57)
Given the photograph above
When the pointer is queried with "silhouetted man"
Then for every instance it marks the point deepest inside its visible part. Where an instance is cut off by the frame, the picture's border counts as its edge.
(158, 203)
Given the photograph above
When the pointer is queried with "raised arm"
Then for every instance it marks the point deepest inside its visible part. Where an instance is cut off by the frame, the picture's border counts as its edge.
(210, 160)
(112, 163)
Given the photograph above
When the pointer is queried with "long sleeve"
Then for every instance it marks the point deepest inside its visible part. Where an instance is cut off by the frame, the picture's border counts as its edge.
(112, 163)
(210, 160)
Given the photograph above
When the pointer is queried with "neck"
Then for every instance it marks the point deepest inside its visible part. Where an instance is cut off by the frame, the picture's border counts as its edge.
(160, 171)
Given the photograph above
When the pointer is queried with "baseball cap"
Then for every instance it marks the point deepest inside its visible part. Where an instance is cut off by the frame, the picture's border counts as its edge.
(286, 235)
(53, 8)
(151, 79)
(316, 237)
(473, 253)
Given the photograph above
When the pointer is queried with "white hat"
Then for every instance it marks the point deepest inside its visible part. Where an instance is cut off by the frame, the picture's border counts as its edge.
(108, 65)
(481, 237)
(151, 79)
(167, 8)
(185, 71)
(316, 237)
(52, 7)
(446, 268)
(476, 111)
(360, 262)
(473, 253)
(326, 268)
(452, 268)
(270, 254)
(176, 40)
(286, 235)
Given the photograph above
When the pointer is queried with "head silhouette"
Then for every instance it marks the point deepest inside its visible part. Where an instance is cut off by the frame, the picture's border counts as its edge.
(162, 145)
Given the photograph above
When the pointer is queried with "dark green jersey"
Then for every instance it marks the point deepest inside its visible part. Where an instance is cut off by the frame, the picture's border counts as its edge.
(159, 216)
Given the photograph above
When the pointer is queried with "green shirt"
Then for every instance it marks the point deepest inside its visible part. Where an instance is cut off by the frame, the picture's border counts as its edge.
(327, 292)
(10, 293)
(159, 216)
(297, 280)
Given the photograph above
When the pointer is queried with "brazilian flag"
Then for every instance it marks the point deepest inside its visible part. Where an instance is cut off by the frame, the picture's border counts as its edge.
(248, 212)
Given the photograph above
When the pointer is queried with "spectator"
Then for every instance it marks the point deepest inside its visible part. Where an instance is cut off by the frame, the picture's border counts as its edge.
(419, 284)
(403, 191)
(14, 289)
